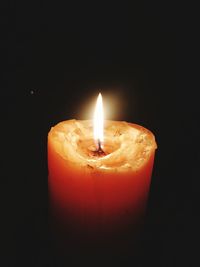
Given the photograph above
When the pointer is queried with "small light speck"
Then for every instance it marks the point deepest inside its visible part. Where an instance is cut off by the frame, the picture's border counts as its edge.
(31, 92)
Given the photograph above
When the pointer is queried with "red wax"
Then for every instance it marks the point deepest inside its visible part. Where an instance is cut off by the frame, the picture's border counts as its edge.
(107, 196)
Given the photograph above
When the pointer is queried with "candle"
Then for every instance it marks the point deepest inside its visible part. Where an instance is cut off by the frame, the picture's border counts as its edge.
(99, 171)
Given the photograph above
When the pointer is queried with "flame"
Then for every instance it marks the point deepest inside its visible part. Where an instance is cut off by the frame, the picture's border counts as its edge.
(98, 120)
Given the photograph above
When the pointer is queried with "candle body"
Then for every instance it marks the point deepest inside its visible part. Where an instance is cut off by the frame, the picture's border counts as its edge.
(90, 198)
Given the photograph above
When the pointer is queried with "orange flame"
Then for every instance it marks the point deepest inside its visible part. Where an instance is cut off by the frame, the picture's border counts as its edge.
(98, 121)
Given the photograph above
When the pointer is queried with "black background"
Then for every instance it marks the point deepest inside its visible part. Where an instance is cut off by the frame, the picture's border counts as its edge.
(56, 57)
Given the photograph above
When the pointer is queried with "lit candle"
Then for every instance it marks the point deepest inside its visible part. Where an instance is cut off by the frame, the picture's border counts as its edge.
(99, 171)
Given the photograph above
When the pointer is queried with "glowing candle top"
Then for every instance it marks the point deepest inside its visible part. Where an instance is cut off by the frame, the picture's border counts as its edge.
(103, 145)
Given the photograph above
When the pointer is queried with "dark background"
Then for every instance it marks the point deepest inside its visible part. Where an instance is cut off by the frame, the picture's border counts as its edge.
(56, 57)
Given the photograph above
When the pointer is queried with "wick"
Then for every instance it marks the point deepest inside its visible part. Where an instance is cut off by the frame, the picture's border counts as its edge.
(99, 151)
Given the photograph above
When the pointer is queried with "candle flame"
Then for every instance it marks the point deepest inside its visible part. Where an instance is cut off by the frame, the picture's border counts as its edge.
(98, 120)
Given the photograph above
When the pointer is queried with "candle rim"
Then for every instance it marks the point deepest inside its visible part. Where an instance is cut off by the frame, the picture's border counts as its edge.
(94, 162)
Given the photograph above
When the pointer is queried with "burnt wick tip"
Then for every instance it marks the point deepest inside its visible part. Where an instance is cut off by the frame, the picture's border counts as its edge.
(99, 151)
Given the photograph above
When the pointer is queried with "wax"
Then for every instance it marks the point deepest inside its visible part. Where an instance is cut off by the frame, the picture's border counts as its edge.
(92, 191)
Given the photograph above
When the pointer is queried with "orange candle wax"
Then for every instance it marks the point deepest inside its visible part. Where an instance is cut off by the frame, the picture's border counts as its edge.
(93, 190)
